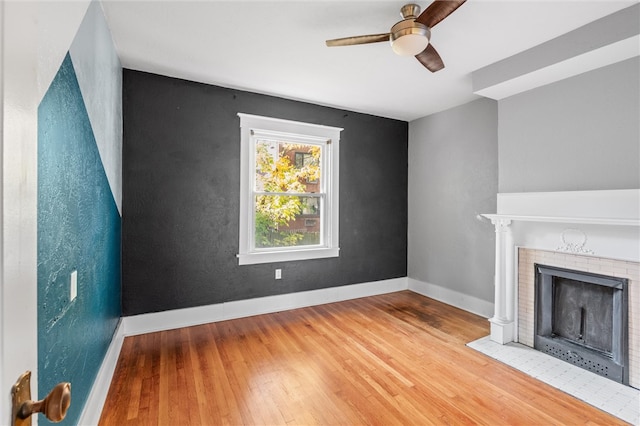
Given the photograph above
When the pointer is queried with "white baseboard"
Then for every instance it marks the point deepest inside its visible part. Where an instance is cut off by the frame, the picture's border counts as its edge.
(93, 407)
(452, 297)
(178, 318)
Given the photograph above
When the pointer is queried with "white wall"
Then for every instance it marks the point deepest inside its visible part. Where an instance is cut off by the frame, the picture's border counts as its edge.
(99, 75)
(453, 177)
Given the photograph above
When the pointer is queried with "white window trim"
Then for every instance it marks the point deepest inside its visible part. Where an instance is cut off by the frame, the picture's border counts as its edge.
(326, 135)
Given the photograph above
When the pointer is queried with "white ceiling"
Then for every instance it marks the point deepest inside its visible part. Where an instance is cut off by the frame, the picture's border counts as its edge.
(277, 47)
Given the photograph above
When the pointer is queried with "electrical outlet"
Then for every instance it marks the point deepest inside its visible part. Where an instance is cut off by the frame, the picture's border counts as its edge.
(73, 287)
(278, 274)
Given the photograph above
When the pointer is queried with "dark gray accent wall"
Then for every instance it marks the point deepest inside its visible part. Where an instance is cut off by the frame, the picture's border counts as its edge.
(581, 133)
(453, 177)
(181, 185)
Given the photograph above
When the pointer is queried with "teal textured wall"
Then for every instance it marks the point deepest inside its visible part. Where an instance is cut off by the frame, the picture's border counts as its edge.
(78, 229)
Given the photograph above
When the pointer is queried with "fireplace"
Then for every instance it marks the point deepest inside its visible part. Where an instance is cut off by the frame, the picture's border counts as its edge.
(581, 318)
(597, 232)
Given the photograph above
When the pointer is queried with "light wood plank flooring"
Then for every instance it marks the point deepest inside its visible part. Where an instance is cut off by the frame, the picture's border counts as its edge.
(392, 359)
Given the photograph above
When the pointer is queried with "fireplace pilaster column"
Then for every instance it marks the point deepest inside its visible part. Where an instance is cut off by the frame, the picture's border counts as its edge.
(502, 322)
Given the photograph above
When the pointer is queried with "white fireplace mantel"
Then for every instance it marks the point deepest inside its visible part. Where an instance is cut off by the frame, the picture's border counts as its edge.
(602, 223)
(495, 218)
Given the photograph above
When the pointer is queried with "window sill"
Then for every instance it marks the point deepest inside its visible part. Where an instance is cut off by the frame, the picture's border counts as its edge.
(286, 256)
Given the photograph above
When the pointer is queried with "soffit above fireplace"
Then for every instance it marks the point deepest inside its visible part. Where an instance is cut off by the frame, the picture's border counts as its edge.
(603, 42)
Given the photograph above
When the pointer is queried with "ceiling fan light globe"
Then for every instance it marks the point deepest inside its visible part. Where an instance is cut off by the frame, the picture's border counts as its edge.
(409, 45)
(409, 37)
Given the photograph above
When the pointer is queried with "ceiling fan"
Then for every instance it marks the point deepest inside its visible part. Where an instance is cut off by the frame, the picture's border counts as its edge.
(411, 35)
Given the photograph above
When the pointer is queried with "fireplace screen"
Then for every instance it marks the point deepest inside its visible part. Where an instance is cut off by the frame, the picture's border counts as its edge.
(582, 318)
(583, 313)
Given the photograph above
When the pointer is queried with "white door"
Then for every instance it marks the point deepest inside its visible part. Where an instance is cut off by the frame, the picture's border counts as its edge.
(18, 195)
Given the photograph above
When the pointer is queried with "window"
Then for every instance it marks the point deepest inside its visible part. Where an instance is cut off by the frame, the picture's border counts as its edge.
(304, 159)
(288, 190)
(307, 160)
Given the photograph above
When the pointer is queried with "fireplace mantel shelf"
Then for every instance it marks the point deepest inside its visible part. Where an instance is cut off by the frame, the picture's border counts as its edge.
(561, 219)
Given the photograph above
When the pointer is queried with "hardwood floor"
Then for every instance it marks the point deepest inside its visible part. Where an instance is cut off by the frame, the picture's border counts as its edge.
(392, 359)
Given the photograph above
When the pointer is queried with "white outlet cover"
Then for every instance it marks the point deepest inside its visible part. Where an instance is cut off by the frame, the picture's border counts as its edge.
(73, 288)
(278, 274)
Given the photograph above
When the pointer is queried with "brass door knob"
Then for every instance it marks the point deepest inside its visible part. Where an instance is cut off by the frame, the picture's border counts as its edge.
(54, 406)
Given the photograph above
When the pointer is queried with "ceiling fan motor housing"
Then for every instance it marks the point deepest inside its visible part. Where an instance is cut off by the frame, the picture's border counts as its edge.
(410, 10)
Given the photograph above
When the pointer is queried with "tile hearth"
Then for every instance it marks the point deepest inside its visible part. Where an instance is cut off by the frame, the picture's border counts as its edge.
(614, 398)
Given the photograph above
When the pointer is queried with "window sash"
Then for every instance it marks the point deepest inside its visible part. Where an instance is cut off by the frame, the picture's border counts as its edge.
(279, 137)
(293, 194)
(258, 136)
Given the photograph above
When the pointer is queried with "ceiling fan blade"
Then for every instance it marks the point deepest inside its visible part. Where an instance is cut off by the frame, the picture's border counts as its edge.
(430, 59)
(437, 11)
(364, 39)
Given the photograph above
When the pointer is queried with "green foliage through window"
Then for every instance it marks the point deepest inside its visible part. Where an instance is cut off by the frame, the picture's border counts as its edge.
(287, 190)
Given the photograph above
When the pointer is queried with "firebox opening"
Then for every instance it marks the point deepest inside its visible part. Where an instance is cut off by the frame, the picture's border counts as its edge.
(581, 318)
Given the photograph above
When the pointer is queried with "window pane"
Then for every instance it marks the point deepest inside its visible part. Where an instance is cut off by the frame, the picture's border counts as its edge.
(310, 206)
(287, 167)
(285, 221)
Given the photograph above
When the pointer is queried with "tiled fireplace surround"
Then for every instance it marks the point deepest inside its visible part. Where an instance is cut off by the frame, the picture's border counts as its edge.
(592, 231)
